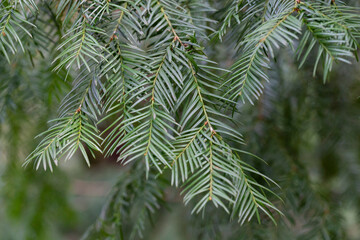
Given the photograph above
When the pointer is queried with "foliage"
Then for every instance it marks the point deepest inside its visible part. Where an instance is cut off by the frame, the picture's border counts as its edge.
(145, 89)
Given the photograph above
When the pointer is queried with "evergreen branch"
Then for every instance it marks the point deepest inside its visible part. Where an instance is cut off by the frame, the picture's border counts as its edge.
(70, 132)
(336, 41)
(120, 17)
(13, 25)
(211, 169)
(243, 13)
(281, 29)
(84, 44)
(152, 99)
(257, 48)
(188, 145)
